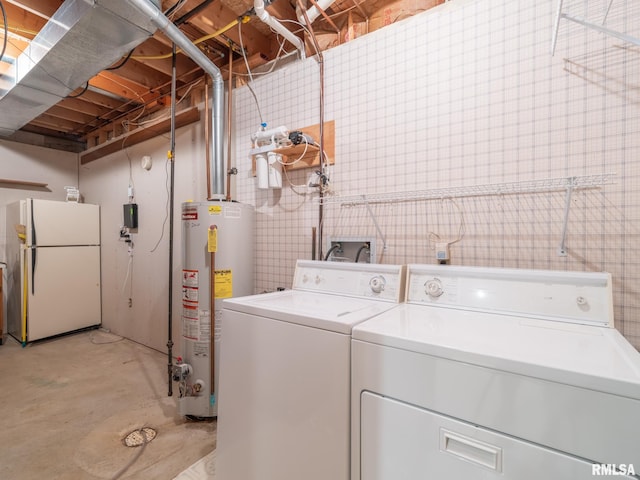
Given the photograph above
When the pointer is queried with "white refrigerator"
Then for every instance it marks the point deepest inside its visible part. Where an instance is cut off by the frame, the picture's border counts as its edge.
(54, 272)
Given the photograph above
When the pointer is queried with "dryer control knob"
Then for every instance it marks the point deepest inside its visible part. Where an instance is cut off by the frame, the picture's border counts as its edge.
(377, 284)
(433, 288)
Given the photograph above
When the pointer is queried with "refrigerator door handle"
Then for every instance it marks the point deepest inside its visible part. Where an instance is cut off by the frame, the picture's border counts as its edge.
(33, 251)
(33, 270)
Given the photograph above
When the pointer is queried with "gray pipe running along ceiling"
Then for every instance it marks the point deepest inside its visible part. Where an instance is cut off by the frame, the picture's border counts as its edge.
(81, 39)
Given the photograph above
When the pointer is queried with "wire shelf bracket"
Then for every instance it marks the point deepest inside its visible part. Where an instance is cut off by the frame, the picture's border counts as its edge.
(594, 26)
(567, 184)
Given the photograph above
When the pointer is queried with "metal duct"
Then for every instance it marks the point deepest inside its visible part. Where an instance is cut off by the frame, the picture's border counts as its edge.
(181, 40)
(81, 39)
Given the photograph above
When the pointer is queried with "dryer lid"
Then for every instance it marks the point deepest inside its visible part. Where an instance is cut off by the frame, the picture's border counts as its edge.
(597, 358)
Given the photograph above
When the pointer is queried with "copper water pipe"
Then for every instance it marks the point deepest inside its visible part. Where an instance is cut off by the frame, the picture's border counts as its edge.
(326, 17)
(212, 310)
(366, 18)
(322, 159)
(229, 104)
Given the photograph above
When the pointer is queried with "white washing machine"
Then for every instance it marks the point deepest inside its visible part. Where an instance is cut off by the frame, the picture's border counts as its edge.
(283, 411)
(495, 374)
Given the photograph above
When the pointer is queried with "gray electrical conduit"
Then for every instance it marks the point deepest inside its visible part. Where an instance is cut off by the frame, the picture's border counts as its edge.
(217, 167)
(193, 52)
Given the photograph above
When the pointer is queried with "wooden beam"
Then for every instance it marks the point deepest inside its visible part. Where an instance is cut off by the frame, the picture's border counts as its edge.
(44, 8)
(84, 106)
(6, 181)
(70, 115)
(218, 15)
(141, 134)
(102, 100)
(47, 137)
(140, 74)
(54, 123)
(119, 86)
(154, 48)
(23, 22)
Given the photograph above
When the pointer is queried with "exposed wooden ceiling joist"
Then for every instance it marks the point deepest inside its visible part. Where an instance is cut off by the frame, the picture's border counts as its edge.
(141, 85)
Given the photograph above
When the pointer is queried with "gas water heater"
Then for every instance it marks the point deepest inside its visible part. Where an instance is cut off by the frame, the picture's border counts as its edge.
(217, 263)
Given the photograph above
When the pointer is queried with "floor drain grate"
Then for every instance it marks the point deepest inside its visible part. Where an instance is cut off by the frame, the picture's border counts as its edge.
(139, 437)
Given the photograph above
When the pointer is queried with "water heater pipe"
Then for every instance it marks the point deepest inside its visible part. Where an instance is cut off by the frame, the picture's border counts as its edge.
(193, 52)
(263, 15)
(307, 18)
(172, 163)
(229, 114)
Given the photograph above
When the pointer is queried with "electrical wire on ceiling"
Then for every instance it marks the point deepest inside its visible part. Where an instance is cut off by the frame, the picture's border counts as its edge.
(173, 11)
(198, 41)
(246, 62)
(6, 31)
(84, 89)
(123, 62)
(274, 62)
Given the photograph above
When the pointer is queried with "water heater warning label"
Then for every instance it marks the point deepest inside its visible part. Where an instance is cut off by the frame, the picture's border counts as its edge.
(224, 284)
(189, 278)
(215, 210)
(189, 212)
(190, 294)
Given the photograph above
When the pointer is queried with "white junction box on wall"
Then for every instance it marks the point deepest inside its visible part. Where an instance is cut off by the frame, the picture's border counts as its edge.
(351, 249)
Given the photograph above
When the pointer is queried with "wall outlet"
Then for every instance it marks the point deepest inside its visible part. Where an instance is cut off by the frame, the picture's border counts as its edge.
(442, 252)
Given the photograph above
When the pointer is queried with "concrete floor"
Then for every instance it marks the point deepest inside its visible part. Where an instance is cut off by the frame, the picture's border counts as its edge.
(67, 404)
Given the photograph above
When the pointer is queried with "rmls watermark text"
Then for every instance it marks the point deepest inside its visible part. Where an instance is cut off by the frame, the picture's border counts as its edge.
(613, 469)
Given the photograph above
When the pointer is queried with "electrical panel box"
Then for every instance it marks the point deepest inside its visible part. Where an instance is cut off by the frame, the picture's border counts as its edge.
(130, 211)
(351, 249)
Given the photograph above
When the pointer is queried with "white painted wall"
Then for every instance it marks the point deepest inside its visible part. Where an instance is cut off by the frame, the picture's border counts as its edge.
(145, 279)
(34, 164)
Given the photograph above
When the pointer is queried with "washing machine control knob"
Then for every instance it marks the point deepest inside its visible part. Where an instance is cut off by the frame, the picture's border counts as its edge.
(433, 288)
(377, 284)
(318, 279)
(305, 278)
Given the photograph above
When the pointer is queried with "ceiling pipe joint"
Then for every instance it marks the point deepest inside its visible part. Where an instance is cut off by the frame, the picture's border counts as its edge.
(265, 17)
(187, 47)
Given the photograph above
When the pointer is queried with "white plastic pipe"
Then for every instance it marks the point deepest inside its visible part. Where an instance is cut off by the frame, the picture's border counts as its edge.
(263, 15)
(179, 38)
(314, 12)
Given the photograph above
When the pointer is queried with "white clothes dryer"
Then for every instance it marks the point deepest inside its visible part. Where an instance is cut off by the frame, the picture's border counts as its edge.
(495, 374)
(283, 411)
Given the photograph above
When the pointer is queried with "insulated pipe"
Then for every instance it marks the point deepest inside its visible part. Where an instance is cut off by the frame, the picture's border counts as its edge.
(263, 15)
(193, 52)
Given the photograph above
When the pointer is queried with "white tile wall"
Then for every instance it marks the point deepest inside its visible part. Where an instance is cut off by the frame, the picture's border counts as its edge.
(464, 94)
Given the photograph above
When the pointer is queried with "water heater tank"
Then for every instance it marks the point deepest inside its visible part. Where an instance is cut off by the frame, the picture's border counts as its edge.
(221, 234)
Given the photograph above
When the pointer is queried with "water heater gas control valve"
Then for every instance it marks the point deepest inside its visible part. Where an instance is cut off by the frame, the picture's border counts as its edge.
(181, 371)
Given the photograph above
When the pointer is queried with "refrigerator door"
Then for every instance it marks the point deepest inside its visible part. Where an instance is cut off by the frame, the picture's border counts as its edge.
(64, 290)
(52, 223)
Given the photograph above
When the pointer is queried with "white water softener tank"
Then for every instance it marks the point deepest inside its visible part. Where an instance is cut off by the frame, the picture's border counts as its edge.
(219, 233)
